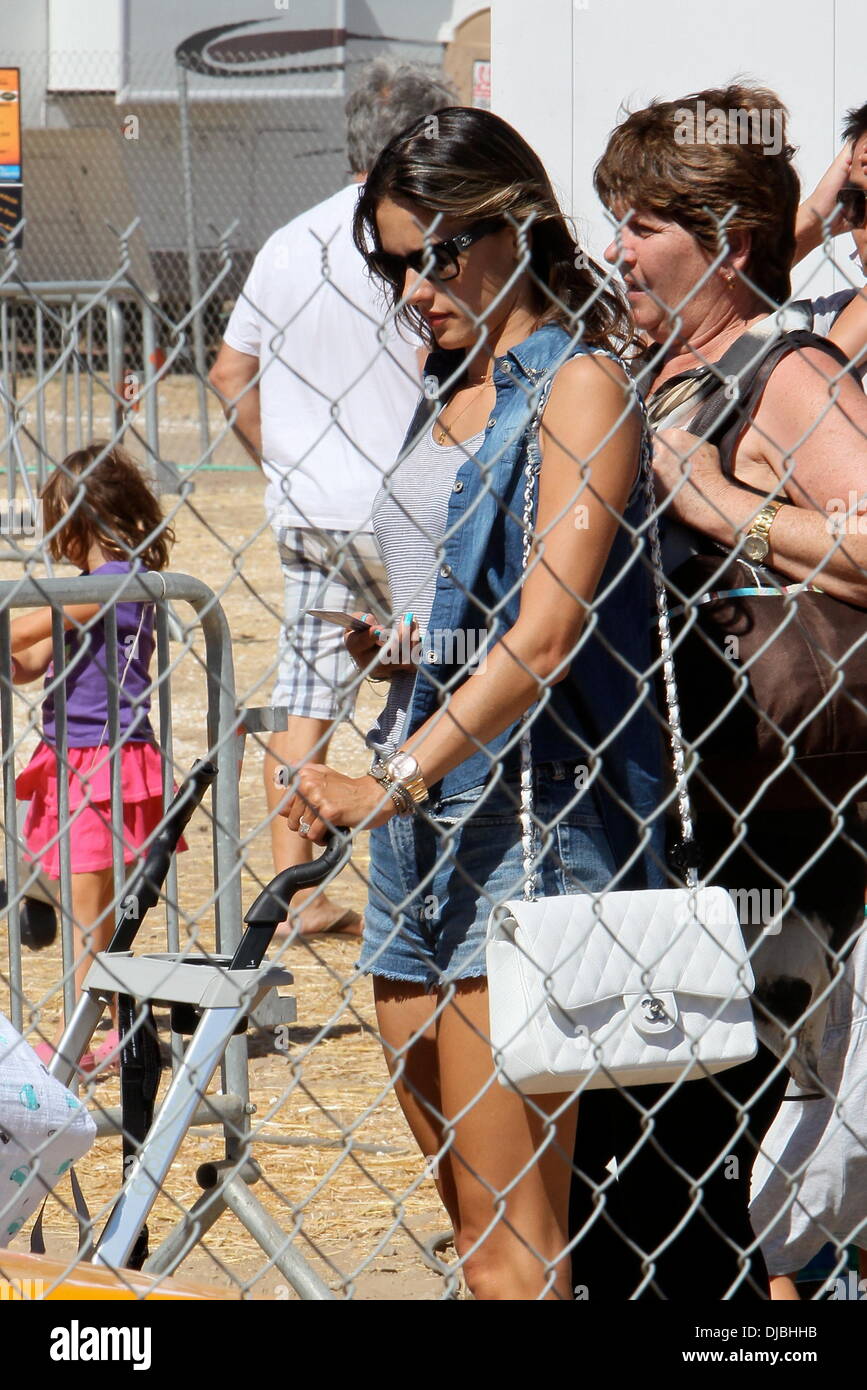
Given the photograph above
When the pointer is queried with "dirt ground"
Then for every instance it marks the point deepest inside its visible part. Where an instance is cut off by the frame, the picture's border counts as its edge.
(360, 1216)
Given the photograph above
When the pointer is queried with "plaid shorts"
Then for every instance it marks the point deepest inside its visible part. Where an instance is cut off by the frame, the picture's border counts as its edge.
(323, 569)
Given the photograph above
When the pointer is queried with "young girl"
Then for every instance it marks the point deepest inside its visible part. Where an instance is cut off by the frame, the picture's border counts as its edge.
(99, 514)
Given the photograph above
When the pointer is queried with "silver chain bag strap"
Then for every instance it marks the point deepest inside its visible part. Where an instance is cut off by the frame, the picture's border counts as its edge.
(623, 988)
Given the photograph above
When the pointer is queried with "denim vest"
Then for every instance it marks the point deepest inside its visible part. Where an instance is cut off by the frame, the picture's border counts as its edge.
(605, 698)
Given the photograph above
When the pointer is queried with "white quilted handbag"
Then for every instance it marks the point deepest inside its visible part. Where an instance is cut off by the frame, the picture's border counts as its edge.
(621, 988)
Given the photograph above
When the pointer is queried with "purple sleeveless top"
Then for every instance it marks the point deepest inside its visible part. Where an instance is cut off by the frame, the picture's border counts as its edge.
(87, 676)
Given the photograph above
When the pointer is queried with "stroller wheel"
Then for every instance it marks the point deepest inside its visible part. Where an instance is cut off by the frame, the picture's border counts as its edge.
(38, 920)
(38, 924)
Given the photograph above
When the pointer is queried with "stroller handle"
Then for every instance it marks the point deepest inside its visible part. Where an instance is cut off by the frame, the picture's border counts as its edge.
(273, 902)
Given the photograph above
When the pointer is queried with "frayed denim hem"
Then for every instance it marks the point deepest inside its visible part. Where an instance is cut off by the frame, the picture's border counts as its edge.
(431, 983)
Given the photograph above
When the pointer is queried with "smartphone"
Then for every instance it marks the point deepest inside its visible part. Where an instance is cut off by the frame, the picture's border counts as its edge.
(332, 615)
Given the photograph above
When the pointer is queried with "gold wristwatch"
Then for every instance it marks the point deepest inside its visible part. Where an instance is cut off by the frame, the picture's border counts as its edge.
(756, 544)
(401, 776)
(406, 774)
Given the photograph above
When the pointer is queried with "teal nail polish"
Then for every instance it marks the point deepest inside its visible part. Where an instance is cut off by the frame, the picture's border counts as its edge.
(408, 617)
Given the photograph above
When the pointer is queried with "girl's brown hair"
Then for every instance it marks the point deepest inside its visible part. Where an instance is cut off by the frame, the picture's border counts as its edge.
(714, 155)
(468, 163)
(99, 494)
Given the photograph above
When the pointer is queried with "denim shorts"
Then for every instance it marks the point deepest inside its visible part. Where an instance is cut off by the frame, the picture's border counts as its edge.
(435, 877)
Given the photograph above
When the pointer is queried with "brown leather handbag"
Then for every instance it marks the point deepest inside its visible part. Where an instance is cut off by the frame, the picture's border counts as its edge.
(772, 676)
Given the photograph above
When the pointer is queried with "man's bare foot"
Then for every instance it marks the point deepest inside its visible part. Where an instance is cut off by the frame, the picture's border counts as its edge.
(322, 918)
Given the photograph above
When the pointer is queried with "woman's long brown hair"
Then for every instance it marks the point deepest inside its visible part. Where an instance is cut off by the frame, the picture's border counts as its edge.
(470, 164)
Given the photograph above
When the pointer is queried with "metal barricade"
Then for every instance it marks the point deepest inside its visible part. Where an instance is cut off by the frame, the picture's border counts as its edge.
(231, 1107)
(80, 361)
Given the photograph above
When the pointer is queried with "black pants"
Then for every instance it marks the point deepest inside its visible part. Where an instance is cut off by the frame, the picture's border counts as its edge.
(694, 1132)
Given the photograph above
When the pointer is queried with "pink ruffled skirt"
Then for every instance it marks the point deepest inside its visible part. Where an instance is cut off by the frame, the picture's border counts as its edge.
(89, 777)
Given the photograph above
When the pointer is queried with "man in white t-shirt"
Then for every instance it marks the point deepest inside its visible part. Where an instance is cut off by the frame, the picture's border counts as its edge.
(321, 394)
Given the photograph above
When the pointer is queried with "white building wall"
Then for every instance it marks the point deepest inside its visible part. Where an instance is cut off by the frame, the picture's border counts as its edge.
(81, 38)
(563, 78)
(462, 10)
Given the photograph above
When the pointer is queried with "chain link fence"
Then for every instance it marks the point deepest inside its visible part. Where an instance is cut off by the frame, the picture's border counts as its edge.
(176, 151)
(267, 1125)
(166, 179)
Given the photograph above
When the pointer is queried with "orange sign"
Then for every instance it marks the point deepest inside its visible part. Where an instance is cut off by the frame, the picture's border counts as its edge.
(10, 151)
(10, 126)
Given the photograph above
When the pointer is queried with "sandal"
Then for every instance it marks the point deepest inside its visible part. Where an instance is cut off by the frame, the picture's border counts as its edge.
(105, 1059)
(95, 1060)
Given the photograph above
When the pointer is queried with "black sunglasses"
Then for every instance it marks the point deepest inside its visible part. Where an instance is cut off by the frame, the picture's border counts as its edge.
(853, 201)
(438, 259)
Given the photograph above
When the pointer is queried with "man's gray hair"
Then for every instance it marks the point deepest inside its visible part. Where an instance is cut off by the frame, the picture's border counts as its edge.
(389, 97)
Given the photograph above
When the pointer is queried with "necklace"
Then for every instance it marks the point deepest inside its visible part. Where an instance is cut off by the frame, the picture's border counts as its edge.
(445, 430)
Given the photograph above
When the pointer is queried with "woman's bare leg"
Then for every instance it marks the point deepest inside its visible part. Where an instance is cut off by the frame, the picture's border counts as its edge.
(406, 1016)
(783, 1288)
(512, 1166)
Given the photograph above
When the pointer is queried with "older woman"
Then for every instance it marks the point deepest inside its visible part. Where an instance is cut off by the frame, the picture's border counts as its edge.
(705, 240)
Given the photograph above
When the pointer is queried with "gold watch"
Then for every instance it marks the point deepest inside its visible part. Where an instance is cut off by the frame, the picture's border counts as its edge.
(756, 544)
(406, 774)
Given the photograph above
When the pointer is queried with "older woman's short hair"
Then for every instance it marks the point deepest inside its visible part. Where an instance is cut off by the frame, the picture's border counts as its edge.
(388, 97)
(715, 162)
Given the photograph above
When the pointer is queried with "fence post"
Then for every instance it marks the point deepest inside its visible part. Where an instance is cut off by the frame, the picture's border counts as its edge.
(193, 255)
(10, 817)
(114, 333)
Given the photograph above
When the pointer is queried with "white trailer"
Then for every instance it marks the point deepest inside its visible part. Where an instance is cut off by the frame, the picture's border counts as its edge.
(562, 71)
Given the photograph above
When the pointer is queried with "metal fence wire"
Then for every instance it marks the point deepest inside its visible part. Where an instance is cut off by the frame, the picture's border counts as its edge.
(166, 146)
(262, 1136)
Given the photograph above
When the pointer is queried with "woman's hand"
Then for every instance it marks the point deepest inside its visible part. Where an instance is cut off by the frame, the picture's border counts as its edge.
(688, 475)
(398, 650)
(325, 799)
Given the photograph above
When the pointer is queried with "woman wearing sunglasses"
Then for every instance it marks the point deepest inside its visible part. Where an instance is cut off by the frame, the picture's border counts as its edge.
(466, 235)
